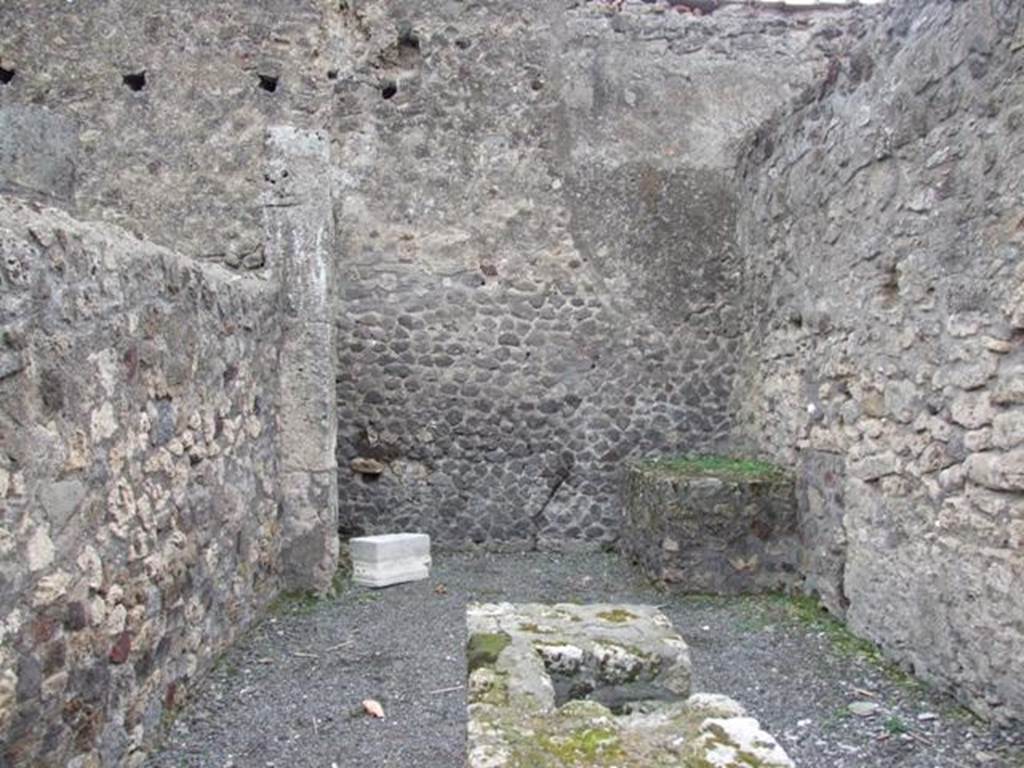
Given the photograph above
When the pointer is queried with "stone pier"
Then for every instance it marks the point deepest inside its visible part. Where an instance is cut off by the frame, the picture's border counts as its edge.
(299, 240)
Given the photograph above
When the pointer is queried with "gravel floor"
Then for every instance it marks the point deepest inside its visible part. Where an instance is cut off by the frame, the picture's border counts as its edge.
(289, 694)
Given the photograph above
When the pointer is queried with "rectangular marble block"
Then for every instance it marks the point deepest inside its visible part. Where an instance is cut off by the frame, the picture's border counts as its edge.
(393, 558)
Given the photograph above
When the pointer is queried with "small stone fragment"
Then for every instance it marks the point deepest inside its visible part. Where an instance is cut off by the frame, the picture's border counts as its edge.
(863, 708)
(365, 466)
(373, 708)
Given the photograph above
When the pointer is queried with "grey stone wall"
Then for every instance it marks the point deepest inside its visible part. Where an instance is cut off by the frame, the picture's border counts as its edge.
(177, 159)
(882, 228)
(538, 274)
(139, 522)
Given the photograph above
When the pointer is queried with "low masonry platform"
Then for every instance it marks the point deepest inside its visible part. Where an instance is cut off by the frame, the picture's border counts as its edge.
(712, 525)
(552, 686)
(393, 558)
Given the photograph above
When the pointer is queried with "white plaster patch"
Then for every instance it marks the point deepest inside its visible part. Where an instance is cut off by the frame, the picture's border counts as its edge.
(10, 626)
(7, 542)
(8, 687)
(562, 658)
(742, 735)
(116, 618)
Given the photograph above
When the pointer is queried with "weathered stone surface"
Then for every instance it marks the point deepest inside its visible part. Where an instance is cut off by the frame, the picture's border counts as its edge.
(298, 223)
(39, 153)
(709, 525)
(999, 471)
(365, 466)
(299, 238)
(181, 160)
(822, 533)
(592, 685)
(733, 743)
(883, 250)
(139, 456)
(549, 262)
(309, 540)
(308, 422)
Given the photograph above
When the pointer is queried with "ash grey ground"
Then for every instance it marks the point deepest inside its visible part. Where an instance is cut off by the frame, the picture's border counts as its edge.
(289, 693)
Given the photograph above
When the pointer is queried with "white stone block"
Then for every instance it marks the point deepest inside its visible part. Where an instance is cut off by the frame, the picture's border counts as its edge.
(393, 558)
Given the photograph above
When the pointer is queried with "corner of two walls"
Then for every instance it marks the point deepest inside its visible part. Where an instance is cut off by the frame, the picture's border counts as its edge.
(884, 251)
(539, 265)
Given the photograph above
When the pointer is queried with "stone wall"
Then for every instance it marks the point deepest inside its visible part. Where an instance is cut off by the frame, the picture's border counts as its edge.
(883, 227)
(139, 522)
(537, 257)
(152, 113)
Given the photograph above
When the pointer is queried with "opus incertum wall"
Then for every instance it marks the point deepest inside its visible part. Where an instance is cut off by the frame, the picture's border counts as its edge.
(161, 477)
(138, 518)
(884, 238)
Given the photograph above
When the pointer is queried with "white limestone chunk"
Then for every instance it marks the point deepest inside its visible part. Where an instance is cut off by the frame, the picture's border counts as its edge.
(734, 742)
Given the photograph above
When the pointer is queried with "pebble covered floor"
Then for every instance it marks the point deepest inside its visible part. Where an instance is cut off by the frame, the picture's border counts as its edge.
(288, 695)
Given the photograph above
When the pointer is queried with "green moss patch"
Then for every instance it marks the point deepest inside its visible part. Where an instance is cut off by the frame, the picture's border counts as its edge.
(617, 616)
(585, 746)
(722, 467)
(808, 612)
(298, 603)
(484, 648)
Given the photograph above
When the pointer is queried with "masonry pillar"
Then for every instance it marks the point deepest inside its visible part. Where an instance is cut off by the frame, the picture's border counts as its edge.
(299, 241)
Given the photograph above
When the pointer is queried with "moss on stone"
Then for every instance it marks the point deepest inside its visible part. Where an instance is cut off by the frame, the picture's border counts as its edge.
(617, 616)
(585, 747)
(740, 759)
(484, 648)
(722, 467)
